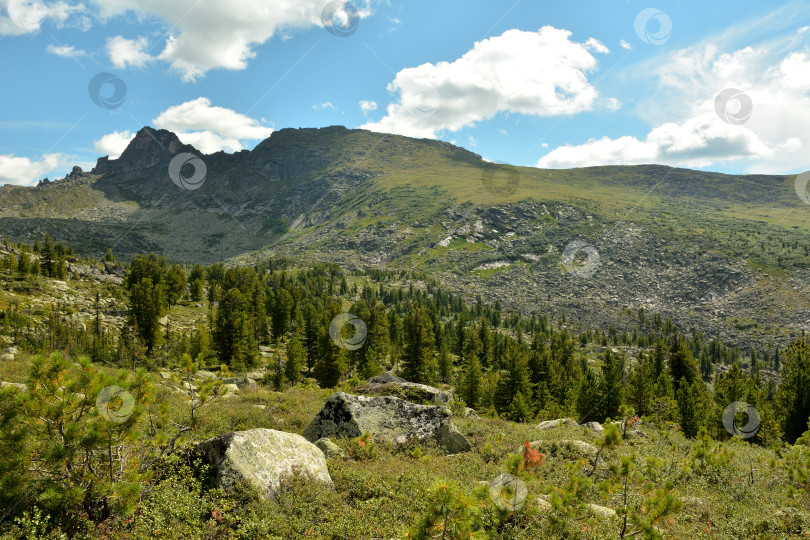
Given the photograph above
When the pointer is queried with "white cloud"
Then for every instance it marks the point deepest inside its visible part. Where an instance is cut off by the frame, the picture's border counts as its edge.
(65, 51)
(596, 46)
(23, 171)
(220, 34)
(540, 73)
(27, 16)
(368, 106)
(128, 52)
(699, 142)
(113, 144)
(324, 106)
(210, 129)
(626, 46)
(686, 131)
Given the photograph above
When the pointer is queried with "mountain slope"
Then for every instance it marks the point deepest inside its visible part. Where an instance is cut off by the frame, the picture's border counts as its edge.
(727, 255)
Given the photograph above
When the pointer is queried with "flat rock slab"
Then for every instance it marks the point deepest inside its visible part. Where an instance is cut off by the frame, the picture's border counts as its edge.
(386, 419)
(262, 457)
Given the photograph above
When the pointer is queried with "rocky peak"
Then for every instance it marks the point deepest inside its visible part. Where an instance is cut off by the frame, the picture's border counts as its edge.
(149, 148)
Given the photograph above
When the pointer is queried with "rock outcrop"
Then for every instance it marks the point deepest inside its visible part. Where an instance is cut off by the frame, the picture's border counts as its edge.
(386, 419)
(263, 458)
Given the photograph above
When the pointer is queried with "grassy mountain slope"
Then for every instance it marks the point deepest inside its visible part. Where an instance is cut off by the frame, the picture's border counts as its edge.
(724, 254)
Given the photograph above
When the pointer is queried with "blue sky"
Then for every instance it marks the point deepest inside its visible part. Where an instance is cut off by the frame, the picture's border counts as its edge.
(538, 83)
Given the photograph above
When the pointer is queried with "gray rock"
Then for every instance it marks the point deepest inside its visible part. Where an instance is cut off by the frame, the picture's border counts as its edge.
(262, 457)
(19, 386)
(165, 375)
(559, 422)
(241, 383)
(596, 427)
(386, 419)
(13, 350)
(231, 389)
(388, 384)
(469, 413)
(601, 511)
(205, 375)
(6, 357)
(329, 448)
(565, 448)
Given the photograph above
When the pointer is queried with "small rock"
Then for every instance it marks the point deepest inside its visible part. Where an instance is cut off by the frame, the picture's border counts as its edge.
(165, 375)
(329, 448)
(596, 427)
(13, 350)
(6, 357)
(469, 413)
(205, 375)
(241, 382)
(19, 386)
(230, 389)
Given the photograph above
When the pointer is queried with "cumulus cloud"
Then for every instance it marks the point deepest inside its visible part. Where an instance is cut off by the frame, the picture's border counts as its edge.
(209, 128)
(23, 171)
(626, 46)
(65, 51)
(368, 106)
(27, 16)
(219, 34)
(128, 52)
(113, 144)
(541, 73)
(686, 130)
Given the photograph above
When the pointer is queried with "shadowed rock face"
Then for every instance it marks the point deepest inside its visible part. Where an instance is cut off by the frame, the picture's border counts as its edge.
(387, 419)
(262, 457)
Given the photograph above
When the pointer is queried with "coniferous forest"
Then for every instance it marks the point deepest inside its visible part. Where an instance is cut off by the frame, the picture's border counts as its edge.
(638, 421)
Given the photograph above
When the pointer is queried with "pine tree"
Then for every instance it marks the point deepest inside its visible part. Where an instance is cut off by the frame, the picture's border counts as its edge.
(611, 390)
(296, 355)
(640, 391)
(417, 361)
(588, 397)
(332, 360)
(514, 378)
(793, 396)
(693, 405)
(444, 365)
(682, 364)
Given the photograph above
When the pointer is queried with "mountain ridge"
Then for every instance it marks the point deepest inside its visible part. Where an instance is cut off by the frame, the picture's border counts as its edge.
(727, 254)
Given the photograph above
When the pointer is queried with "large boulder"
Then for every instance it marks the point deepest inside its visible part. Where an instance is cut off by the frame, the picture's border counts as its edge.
(262, 457)
(386, 419)
(388, 384)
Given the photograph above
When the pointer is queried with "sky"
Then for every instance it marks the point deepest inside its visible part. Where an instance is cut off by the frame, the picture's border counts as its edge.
(721, 86)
